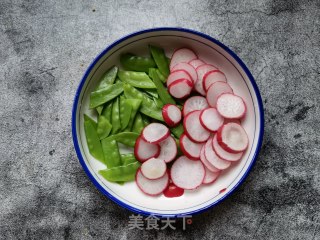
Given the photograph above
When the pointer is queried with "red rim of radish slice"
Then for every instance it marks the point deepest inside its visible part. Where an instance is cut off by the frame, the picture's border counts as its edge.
(194, 103)
(180, 88)
(196, 63)
(206, 163)
(171, 114)
(193, 128)
(151, 187)
(201, 71)
(182, 55)
(210, 177)
(211, 119)
(232, 138)
(188, 68)
(168, 149)
(231, 106)
(215, 90)
(223, 154)
(186, 173)
(144, 150)
(190, 148)
(176, 75)
(212, 77)
(155, 133)
(154, 168)
(213, 158)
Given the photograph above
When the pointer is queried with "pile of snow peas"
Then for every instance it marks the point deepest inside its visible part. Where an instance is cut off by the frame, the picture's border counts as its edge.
(125, 101)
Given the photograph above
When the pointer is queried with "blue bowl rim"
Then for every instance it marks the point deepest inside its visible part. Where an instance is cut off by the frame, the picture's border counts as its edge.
(75, 106)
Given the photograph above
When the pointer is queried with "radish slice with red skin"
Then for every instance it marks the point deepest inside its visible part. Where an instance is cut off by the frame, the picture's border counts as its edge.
(213, 158)
(196, 63)
(173, 191)
(189, 148)
(153, 168)
(210, 177)
(182, 55)
(152, 187)
(179, 74)
(212, 77)
(201, 71)
(206, 162)
(193, 128)
(227, 120)
(211, 119)
(223, 154)
(144, 150)
(233, 138)
(180, 88)
(215, 90)
(231, 106)
(188, 68)
(155, 133)
(186, 173)
(168, 149)
(194, 103)
(171, 115)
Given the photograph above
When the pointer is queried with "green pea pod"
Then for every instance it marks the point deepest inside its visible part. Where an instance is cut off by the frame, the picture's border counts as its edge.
(121, 174)
(104, 127)
(128, 158)
(136, 79)
(99, 109)
(136, 63)
(93, 141)
(159, 103)
(108, 78)
(177, 131)
(93, 122)
(168, 61)
(106, 94)
(125, 112)
(138, 124)
(152, 93)
(161, 77)
(148, 106)
(135, 103)
(126, 138)
(162, 91)
(107, 111)
(160, 58)
(111, 152)
(145, 120)
(180, 153)
(115, 118)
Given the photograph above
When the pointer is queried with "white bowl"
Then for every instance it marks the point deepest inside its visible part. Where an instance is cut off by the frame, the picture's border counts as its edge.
(211, 51)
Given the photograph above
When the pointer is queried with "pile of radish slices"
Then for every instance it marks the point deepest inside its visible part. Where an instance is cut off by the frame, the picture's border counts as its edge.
(213, 137)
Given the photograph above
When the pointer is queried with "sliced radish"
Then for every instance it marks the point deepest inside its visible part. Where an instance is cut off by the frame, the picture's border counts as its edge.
(233, 138)
(180, 88)
(210, 177)
(188, 68)
(179, 74)
(193, 128)
(187, 174)
(201, 71)
(154, 168)
(205, 162)
(168, 149)
(211, 119)
(231, 106)
(171, 114)
(144, 150)
(173, 191)
(213, 158)
(223, 154)
(182, 55)
(194, 103)
(212, 77)
(215, 90)
(190, 148)
(155, 133)
(229, 120)
(196, 63)
(151, 187)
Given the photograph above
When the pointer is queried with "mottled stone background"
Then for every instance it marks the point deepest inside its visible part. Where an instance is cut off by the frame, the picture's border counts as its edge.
(45, 47)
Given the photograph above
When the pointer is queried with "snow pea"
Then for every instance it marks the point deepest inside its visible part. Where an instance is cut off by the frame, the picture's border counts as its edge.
(148, 106)
(107, 111)
(106, 94)
(158, 102)
(136, 63)
(161, 77)
(121, 174)
(160, 58)
(115, 117)
(108, 78)
(125, 112)
(152, 93)
(111, 152)
(126, 138)
(145, 120)
(177, 131)
(162, 91)
(128, 158)
(104, 127)
(135, 103)
(99, 109)
(136, 79)
(138, 124)
(93, 141)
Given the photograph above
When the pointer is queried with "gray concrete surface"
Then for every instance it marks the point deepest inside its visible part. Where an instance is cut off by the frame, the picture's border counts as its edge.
(45, 47)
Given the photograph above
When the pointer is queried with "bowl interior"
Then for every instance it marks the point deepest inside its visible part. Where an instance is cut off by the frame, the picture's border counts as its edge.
(128, 195)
